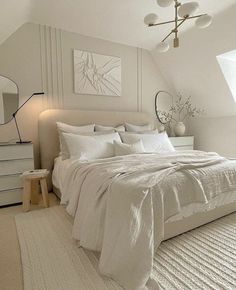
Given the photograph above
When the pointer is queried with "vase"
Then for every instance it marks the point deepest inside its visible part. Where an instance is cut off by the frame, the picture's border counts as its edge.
(161, 128)
(179, 129)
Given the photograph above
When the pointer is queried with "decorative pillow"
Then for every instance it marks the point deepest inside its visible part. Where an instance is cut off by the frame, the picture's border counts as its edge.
(158, 143)
(137, 128)
(91, 147)
(65, 128)
(100, 128)
(126, 149)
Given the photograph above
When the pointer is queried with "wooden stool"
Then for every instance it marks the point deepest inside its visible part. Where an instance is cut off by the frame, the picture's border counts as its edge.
(31, 189)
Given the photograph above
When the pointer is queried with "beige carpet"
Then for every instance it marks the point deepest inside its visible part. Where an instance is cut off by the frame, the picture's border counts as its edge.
(10, 260)
(10, 263)
(201, 259)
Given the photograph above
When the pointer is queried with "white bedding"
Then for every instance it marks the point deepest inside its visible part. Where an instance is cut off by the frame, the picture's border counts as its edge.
(120, 204)
(173, 184)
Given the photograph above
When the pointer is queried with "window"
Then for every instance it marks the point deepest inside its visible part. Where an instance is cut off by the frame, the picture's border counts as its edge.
(227, 62)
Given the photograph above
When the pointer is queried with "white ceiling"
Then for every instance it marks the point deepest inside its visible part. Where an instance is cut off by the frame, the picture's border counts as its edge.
(116, 20)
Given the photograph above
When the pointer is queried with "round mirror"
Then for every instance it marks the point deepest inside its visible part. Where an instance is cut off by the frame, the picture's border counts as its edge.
(163, 104)
(9, 99)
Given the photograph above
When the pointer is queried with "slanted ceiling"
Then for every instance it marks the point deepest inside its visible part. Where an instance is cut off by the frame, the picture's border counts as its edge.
(119, 21)
(193, 68)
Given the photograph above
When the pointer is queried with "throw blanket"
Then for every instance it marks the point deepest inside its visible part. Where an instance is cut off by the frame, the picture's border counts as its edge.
(119, 210)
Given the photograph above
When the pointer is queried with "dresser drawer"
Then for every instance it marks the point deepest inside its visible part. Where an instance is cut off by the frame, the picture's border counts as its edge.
(182, 141)
(181, 148)
(16, 166)
(16, 151)
(10, 196)
(10, 182)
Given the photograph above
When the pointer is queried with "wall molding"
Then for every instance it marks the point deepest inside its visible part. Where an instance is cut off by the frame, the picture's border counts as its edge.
(51, 55)
(139, 79)
(52, 66)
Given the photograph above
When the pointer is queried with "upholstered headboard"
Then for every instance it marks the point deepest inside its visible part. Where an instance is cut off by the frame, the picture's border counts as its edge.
(48, 136)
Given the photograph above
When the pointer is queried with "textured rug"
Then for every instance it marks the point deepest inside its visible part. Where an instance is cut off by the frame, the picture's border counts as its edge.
(204, 258)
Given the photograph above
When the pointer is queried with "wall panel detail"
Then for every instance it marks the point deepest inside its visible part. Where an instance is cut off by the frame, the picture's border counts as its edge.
(52, 67)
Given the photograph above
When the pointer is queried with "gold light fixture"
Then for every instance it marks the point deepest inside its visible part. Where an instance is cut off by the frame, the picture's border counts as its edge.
(183, 12)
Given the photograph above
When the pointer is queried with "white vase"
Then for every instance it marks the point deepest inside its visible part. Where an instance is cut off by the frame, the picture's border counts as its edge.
(179, 129)
(161, 128)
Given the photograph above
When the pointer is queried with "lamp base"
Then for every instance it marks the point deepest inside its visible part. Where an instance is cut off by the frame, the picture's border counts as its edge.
(23, 142)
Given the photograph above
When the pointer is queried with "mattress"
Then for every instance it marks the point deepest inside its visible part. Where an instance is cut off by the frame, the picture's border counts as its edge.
(172, 184)
(58, 174)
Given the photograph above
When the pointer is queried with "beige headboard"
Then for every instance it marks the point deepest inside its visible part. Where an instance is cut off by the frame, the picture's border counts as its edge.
(48, 137)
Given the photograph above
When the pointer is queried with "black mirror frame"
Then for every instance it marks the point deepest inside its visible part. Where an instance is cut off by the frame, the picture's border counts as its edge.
(18, 98)
(156, 111)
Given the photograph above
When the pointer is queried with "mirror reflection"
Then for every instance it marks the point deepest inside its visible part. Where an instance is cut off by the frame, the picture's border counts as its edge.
(9, 99)
(163, 104)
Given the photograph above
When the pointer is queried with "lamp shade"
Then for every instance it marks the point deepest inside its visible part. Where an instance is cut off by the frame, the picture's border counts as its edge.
(163, 47)
(150, 19)
(203, 21)
(188, 9)
(165, 3)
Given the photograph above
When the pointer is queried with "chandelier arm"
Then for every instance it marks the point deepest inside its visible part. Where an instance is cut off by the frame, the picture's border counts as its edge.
(197, 16)
(172, 21)
(161, 23)
(173, 31)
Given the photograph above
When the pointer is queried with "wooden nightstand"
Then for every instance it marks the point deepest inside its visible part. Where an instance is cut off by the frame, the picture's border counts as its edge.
(14, 160)
(183, 143)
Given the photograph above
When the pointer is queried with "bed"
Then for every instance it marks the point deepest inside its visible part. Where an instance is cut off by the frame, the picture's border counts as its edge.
(188, 217)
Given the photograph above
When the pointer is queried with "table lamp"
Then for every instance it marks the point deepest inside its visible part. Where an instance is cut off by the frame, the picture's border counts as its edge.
(14, 116)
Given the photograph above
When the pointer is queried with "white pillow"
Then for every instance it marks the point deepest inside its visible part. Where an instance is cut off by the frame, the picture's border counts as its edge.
(126, 149)
(65, 128)
(100, 128)
(91, 147)
(137, 128)
(144, 132)
(158, 143)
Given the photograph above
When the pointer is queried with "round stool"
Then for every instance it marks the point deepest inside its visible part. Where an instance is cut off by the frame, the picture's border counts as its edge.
(32, 181)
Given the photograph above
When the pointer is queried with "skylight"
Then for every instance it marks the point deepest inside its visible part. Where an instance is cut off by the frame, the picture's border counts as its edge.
(227, 62)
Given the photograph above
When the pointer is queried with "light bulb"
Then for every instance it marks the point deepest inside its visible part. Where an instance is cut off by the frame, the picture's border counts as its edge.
(188, 9)
(150, 19)
(203, 21)
(163, 47)
(165, 3)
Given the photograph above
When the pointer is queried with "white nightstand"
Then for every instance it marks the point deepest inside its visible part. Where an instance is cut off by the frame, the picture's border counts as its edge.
(183, 143)
(14, 160)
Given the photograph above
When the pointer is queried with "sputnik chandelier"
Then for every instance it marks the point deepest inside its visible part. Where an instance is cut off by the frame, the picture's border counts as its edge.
(183, 12)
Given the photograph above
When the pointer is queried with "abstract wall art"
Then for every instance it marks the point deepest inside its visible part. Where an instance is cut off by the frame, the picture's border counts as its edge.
(97, 74)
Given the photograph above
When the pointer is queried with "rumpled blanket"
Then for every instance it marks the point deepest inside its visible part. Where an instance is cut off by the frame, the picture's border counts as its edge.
(119, 211)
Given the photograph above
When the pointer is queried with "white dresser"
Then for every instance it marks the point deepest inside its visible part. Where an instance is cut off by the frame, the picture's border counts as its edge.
(183, 143)
(14, 160)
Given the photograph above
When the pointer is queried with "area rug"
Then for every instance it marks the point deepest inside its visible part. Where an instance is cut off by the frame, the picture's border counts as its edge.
(204, 258)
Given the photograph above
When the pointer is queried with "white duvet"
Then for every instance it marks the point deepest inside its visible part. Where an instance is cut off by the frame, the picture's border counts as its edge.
(119, 205)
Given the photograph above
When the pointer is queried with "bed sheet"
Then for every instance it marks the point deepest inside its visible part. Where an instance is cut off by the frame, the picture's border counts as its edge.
(172, 185)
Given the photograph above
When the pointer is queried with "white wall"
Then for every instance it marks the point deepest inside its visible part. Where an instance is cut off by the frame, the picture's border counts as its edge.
(20, 61)
(193, 68)
(1, 109)
(215, 134)
(40, 58)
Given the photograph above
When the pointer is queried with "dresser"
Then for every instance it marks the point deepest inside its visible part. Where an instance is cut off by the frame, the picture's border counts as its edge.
(183, 143)
(14, 160)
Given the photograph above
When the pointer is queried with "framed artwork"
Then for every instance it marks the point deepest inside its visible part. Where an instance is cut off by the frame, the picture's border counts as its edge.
(97, 74)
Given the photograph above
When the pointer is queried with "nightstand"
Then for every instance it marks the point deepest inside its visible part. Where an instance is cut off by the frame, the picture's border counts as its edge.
(182, 143)
(14, 160)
